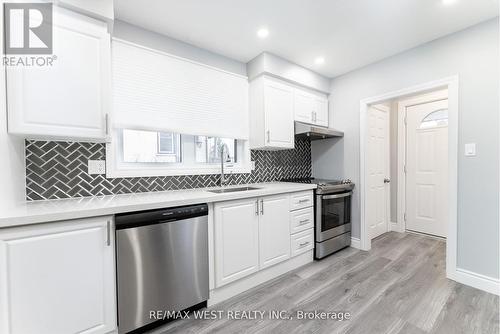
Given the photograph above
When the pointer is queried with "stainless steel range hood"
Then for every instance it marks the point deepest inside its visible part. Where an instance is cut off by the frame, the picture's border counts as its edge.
(315, 132)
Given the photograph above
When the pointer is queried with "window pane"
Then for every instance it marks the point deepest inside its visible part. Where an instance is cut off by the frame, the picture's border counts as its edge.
(435, 119)
(150, 146)
(208, 150)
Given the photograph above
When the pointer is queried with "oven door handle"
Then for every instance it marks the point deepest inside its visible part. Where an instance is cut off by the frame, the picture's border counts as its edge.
(337, 195)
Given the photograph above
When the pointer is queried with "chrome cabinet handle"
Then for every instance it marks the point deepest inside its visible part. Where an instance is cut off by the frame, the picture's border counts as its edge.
(262, 207)
(303, 200)
(303, 222)
(108, 233)
(387, 180)
(268, 136)
(304, 244)
(106, 121)
(257, 207)
(337, 196)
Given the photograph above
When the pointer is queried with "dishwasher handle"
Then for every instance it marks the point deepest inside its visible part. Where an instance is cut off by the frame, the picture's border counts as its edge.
(159, 216)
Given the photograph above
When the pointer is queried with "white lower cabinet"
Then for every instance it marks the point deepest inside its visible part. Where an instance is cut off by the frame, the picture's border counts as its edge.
(58, 278)
(236, 240)
(274, 230)
(255, 234)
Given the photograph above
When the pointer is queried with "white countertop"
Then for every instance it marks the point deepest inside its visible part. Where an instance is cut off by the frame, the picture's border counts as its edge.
(53, 210)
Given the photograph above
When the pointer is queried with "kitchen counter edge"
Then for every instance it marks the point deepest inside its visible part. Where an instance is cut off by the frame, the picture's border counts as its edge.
(36, 212)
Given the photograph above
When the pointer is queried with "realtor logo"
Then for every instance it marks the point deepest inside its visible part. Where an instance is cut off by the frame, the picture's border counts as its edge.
(28, 28)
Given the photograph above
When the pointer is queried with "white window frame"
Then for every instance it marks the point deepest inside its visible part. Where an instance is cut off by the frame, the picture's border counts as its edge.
(115, 168)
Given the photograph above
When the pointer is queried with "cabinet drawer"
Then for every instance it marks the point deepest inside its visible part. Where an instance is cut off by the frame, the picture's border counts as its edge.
(302, 242)
(301, 220)
(301, 200)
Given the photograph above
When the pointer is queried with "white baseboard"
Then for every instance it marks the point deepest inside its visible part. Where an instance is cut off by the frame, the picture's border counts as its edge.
(396, 227)
(478, 281)
(227, 291)
(355, 243)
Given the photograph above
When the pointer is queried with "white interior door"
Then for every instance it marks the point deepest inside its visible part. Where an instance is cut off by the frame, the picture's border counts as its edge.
(378, 170)
(427, 168)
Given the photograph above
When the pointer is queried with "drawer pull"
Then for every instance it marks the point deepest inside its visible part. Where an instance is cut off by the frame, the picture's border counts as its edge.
(303, 222)
(303, 200)
(304, 244)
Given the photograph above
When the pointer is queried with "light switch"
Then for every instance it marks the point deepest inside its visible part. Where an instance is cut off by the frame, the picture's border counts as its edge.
(470, 150)
(97, 167)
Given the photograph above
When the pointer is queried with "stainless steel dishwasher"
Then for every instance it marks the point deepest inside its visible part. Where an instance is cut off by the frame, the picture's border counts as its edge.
(162, 263)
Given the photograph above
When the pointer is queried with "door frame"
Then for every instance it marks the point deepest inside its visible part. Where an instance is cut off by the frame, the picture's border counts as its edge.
(401, 143)
(452, 83)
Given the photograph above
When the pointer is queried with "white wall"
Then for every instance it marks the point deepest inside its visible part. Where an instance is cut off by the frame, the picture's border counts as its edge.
(473, 54)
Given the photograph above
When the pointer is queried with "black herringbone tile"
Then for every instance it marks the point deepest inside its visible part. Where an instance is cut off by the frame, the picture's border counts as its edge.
(59, 170)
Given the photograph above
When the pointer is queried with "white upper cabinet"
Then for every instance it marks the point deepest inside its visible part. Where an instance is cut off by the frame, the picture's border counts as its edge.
(60, 278)
(321, 111)
(71, 98)
(271, 114)
(310, 107)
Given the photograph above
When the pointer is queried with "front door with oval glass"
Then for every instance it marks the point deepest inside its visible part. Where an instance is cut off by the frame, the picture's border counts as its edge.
(427, 168)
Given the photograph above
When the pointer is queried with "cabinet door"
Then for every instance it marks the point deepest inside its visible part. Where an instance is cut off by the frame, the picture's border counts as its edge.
(303, 105)
(236, 240)
(321, 109)
(278, 108)
(58, 278)
(70, 99)
(274, 230)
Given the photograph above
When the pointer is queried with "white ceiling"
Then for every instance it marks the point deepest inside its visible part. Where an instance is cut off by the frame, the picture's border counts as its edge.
(347, 33)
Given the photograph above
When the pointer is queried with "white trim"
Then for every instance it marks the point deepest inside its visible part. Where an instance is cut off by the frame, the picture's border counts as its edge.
(452, 84)
(401, 143)
(478, 281)
(355, 243)
(396, 227)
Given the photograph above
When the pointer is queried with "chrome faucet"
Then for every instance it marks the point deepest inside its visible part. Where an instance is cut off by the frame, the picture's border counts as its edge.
(223, 179)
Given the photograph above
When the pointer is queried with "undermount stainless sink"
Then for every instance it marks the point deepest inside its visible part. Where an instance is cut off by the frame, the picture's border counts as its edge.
(231, 190)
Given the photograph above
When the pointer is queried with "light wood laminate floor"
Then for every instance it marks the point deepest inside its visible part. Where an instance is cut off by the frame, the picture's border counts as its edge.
(399, 286)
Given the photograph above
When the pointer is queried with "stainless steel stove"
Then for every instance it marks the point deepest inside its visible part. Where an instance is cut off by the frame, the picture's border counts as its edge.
(332, 213)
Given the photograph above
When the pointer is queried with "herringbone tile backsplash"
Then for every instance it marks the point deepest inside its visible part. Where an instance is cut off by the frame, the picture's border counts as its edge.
(60, 170)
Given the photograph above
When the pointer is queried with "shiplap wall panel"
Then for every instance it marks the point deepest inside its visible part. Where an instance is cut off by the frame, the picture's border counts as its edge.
(157, 91)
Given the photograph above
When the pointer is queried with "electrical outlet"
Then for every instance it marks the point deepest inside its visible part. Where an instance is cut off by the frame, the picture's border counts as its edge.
(97, 167)
(252, 165)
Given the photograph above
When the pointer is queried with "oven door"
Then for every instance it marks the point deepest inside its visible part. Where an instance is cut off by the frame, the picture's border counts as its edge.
(333, 215)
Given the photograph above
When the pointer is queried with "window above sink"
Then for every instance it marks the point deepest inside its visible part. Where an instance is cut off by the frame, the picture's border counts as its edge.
(135, 153)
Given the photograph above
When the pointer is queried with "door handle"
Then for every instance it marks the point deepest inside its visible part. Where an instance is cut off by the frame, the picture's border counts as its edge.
(257, 207)
(262, 207)
(386, 180)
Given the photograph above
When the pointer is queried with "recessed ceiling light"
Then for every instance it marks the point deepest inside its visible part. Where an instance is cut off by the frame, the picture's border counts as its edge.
(263, 33)
(319, 60)
(448, 2)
